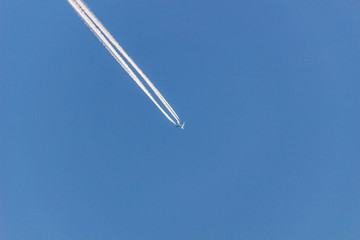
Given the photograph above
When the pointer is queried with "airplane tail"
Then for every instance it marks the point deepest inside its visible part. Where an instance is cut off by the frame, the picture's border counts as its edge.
(182, 126)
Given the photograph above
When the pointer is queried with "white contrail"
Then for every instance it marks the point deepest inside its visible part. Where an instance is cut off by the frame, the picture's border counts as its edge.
(113, 52)
(101, 27)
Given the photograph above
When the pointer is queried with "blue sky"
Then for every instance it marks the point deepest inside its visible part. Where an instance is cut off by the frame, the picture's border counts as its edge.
(269, 91)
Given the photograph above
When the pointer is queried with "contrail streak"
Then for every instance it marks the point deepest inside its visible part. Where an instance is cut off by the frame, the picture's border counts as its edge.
(113, 52)
(121, 50)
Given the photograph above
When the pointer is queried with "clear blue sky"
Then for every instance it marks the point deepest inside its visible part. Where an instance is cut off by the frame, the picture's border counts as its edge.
(270, 93)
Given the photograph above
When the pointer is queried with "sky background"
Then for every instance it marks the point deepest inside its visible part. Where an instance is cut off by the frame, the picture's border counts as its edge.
(270, 93)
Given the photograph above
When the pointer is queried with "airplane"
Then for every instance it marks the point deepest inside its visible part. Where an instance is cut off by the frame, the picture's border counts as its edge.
(180, 126)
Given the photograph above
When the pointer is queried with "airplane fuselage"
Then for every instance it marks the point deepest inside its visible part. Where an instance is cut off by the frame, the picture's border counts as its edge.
(180, 126)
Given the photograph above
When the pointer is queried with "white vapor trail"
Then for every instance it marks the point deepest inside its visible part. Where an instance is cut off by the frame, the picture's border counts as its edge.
(99, 30)
(121, 50)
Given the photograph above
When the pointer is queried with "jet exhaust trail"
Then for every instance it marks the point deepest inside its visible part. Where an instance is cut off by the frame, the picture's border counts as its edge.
(101, 27)
(99, 31)
(108, 46)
